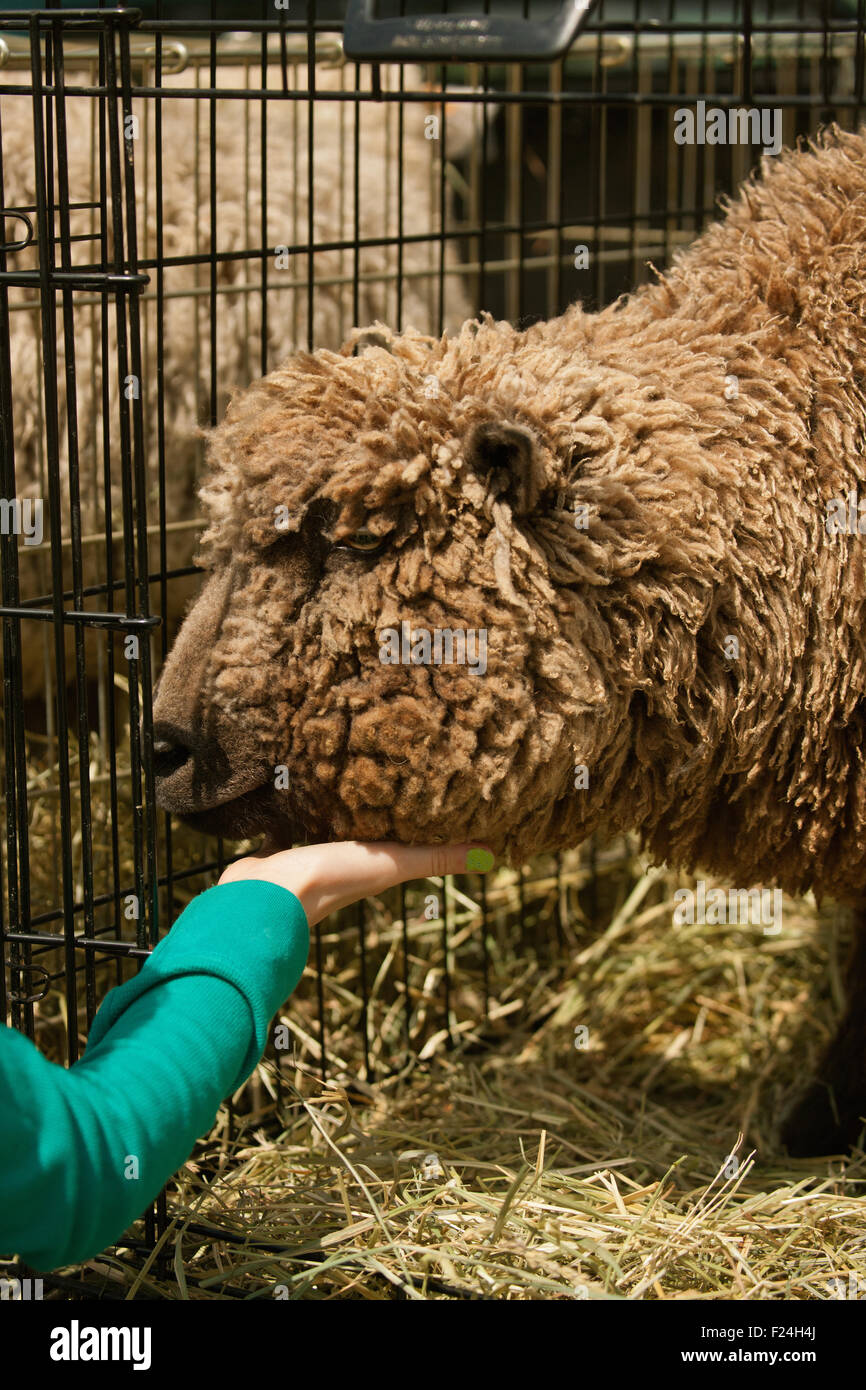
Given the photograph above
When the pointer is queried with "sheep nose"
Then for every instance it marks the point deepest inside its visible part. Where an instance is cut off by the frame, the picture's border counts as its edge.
(170, 754)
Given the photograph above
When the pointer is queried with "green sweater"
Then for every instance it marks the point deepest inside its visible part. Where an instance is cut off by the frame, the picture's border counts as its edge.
(84, 1150)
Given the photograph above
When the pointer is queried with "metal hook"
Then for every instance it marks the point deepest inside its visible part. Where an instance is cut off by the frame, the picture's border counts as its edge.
(29, 998)
(615, 50)
(20, 217)
(180, 52)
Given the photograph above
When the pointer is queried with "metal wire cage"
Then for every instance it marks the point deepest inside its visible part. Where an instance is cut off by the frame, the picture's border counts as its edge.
(185, 200)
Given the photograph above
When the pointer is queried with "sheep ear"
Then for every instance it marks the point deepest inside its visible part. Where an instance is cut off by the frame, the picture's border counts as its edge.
(507, 456)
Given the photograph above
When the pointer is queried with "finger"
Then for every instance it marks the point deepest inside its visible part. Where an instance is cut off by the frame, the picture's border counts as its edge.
(343, 873)
(386, 863)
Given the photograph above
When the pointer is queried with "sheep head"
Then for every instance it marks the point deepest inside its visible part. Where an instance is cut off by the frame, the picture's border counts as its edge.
(358, 501)
(414, 596)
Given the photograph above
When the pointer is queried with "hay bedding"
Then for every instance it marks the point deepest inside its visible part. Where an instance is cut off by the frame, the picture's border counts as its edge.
(513, 1165)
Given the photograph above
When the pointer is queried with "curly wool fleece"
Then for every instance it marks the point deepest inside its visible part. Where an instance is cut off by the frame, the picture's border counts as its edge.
(701, 427)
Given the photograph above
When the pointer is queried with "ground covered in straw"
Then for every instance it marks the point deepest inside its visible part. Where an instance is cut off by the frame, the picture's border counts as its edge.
(608, 1133)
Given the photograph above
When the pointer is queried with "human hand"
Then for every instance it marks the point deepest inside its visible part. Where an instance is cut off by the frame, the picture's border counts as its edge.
(327, 877)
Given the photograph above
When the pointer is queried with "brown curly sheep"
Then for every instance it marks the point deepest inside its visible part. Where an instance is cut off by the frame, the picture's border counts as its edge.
(633, 516)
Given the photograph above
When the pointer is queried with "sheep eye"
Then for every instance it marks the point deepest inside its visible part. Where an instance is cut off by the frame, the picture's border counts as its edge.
(364, 542)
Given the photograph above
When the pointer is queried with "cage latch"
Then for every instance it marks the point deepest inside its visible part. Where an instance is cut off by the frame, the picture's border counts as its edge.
(13, 215)
(21, 968)
(478, 38)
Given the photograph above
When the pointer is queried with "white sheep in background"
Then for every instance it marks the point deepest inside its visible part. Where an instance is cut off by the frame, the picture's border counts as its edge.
(186, 224)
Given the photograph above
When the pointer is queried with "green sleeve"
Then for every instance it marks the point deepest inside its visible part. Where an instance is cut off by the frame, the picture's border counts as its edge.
(84, 1150)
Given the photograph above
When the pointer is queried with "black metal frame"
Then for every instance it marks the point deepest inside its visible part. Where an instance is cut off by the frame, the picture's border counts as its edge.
(510, 217)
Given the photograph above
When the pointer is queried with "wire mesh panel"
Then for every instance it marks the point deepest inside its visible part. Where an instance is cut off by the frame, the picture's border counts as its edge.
(75, 786)
(185, 201)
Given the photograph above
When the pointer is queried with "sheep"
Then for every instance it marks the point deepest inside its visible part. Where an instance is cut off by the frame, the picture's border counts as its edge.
(641, 509)
(185, 190)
